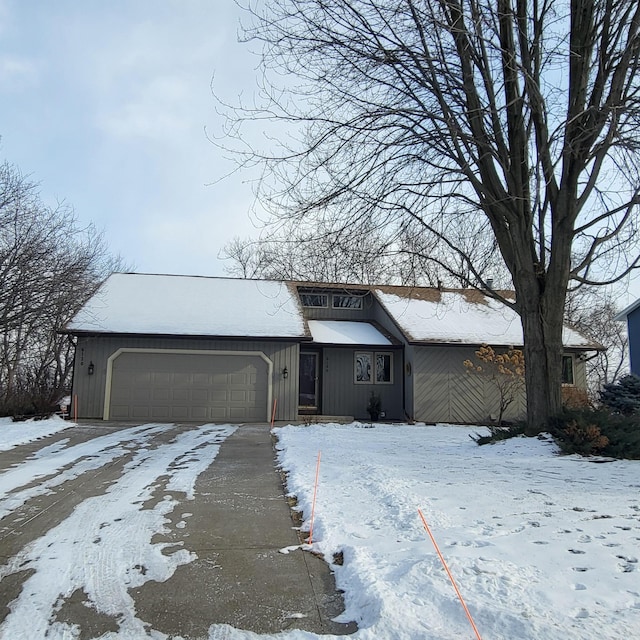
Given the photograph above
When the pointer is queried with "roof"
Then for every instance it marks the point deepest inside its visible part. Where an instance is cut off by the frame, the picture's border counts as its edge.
(458, 317)
(129, 303)
(630, 309)
(347, 332)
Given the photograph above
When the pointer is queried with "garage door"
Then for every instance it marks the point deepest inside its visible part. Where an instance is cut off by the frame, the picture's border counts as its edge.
(189, 387)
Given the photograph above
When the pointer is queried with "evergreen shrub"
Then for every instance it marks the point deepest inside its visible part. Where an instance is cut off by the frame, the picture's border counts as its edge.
(622, 396)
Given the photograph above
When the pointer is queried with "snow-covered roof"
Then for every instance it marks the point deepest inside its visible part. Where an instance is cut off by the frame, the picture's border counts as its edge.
(190, 305)
(132, 303)
(346, 332)
(464, 317)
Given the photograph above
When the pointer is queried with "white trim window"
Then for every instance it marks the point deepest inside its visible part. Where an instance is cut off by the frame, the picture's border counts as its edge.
(373, 367)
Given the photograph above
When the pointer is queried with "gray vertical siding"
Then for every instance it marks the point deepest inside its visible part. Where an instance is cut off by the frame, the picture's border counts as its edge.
(90, 390)
(342, 396)
(445, 392)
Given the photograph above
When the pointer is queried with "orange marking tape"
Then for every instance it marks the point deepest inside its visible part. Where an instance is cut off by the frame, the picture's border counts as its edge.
(453, 582)
(313, 504)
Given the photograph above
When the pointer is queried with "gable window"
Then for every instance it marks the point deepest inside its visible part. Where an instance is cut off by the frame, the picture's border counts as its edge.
(567, 370)
(314, 299)
(373, 367)
(346, 302)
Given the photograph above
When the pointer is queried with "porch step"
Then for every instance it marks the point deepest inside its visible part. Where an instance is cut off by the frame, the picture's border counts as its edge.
(315, 419)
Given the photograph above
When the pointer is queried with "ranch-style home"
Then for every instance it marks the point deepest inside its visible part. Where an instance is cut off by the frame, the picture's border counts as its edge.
(186, 348)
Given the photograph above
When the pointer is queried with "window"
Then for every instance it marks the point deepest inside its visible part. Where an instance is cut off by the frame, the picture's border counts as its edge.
(373, 368)
(567, 370)
(347, 302)
(314, 299)
(383, 368)
(363, 368)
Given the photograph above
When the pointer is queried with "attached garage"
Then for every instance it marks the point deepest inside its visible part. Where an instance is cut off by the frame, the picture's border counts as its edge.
(188, 385)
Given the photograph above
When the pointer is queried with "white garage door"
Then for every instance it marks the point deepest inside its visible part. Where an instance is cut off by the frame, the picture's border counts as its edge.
(189, 387)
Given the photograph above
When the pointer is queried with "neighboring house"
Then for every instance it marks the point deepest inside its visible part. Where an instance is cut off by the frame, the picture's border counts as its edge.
(632, 316)
(184, 348)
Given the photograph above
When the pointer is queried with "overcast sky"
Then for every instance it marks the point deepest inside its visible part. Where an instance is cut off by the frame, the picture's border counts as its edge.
(107, 105)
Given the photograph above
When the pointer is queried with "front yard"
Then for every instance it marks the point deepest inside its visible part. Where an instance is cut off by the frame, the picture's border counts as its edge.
(541, 546)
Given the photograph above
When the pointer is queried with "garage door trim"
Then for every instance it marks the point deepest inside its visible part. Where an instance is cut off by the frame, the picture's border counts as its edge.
(204, 352)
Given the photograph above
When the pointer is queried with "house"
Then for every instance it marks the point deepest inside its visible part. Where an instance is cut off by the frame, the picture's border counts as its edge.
(632, 316)
(186, 348)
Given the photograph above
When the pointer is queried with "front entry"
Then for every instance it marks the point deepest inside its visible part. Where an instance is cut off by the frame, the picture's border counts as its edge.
(308, 400)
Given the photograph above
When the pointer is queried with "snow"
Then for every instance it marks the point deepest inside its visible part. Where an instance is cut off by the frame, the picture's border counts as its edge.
(454, 318)
(112, 536)
(13, 434)
(541, 546)
(191, 305)
(345, 332)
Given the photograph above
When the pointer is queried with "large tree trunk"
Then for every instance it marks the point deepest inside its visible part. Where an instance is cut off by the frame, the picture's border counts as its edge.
(542, 322)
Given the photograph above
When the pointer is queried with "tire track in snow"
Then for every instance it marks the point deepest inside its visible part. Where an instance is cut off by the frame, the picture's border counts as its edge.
(104, 547)
(40, 474)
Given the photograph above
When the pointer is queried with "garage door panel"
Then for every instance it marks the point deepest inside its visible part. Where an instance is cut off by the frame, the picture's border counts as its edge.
(180, 413)
(179, 396)
(160, 413)
(189, 387)
(201, 379)
(141, 412)
(161, 395)
(200, 396)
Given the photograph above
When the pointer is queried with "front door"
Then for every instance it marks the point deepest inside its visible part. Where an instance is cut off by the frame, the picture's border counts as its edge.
(308, 398)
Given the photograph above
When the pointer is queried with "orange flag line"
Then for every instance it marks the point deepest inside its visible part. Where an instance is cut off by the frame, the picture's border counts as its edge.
(313, 504)
(453, 582)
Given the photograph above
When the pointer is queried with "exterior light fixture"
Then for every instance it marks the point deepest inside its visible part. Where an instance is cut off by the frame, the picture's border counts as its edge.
(285, 373)
(91, 368)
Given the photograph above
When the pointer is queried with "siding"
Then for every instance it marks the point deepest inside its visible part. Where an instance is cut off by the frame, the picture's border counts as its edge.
(633, 328)
(90, 390)
(445, 392)
(342, 396)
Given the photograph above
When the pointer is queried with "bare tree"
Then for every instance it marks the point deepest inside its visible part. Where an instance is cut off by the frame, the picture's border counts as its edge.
(49, 267)
(521, 115)
(592, 312)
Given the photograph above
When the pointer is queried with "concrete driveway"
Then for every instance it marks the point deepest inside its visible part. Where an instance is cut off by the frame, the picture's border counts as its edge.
(136, 529)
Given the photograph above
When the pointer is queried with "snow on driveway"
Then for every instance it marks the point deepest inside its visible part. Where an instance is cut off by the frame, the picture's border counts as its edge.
(541, 546)
(105, 546)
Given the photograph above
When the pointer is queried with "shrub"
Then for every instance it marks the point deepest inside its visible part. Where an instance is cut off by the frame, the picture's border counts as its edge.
(622, 396)
(575, 398)
(596, 432)
(500, 433)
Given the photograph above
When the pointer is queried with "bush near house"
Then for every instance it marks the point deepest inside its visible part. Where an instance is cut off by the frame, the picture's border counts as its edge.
(613, 430)
(597, 432)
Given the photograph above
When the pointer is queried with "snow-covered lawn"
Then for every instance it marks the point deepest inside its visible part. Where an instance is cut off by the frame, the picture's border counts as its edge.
(541, 546)
(13, 434)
